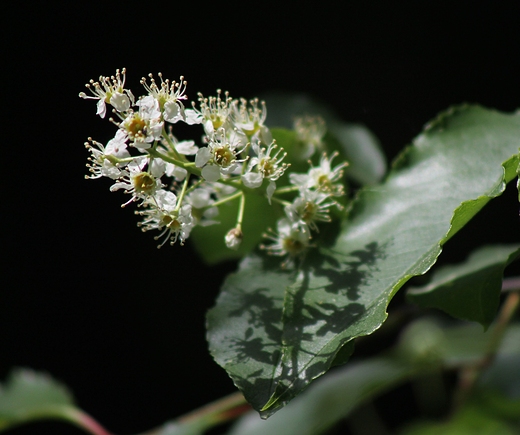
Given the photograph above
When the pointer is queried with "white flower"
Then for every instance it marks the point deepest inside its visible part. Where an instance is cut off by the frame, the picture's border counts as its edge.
(250, 119)
(252, 179)
(144, 126)
(110, 90)
(192, 117)
(310, 131)
(201, 201)
(270, 167)
(135, 180)
(265, 166)
(173, 112)
(323, 178)
(213, 112)
(186, 147)
(271, 187)
(310, 207)
(169, 97)
(220, 157)
(105, 159)
(162, 214)
(222, 190)
(176, 172)
(157, 168)
(121, 102)
(234, 238)
(290, 239)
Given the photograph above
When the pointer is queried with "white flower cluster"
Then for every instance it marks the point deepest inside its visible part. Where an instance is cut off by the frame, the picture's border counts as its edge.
(317, 190)
(178, 184)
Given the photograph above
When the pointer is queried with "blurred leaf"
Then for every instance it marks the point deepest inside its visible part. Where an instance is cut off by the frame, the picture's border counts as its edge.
(471, 290)
(179, 428)
(283, 107)
(470, 421)
(276, 330)
(29, 395)
(504, 374)
(498, 404)
(362, 149)
(355, 143)
(467, 343)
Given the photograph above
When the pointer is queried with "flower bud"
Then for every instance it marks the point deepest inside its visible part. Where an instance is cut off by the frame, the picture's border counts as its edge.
(234, 238)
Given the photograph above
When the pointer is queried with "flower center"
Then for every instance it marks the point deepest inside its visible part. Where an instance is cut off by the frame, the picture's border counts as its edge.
(136, 127)
(308, 212)
(143, 182)
(267, 166)
(251, 132)
(171, 222)
(224, 156)
(292, 246)
(217, 121)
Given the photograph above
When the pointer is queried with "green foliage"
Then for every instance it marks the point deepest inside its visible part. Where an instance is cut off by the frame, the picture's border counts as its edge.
(29, 395)
(469, 291)
(258, 216)
(471, 421)
(278, 326)
(330, 399)
(342, 391)
(276, 330)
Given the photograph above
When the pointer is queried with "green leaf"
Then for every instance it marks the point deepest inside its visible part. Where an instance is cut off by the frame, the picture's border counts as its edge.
(470, 290)
(275, 331)
(330, 399)
(28, 395)
(337, 395)
(245, 328)
(258, 216)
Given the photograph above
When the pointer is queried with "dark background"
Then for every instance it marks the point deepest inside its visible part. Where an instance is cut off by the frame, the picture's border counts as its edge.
(89, 299)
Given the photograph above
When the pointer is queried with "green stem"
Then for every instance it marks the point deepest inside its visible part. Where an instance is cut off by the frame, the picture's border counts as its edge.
(469, 375)
(195, 185)
(287, 189)
(225, 409)
(280, 201)
(66, 413)
(183, 192)
(192, 169)
(86, 422)
(185, 165)
(241, 208)
(506, 313)
(115, 160)
(171, 144)
(511, 283)
(227, 198)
